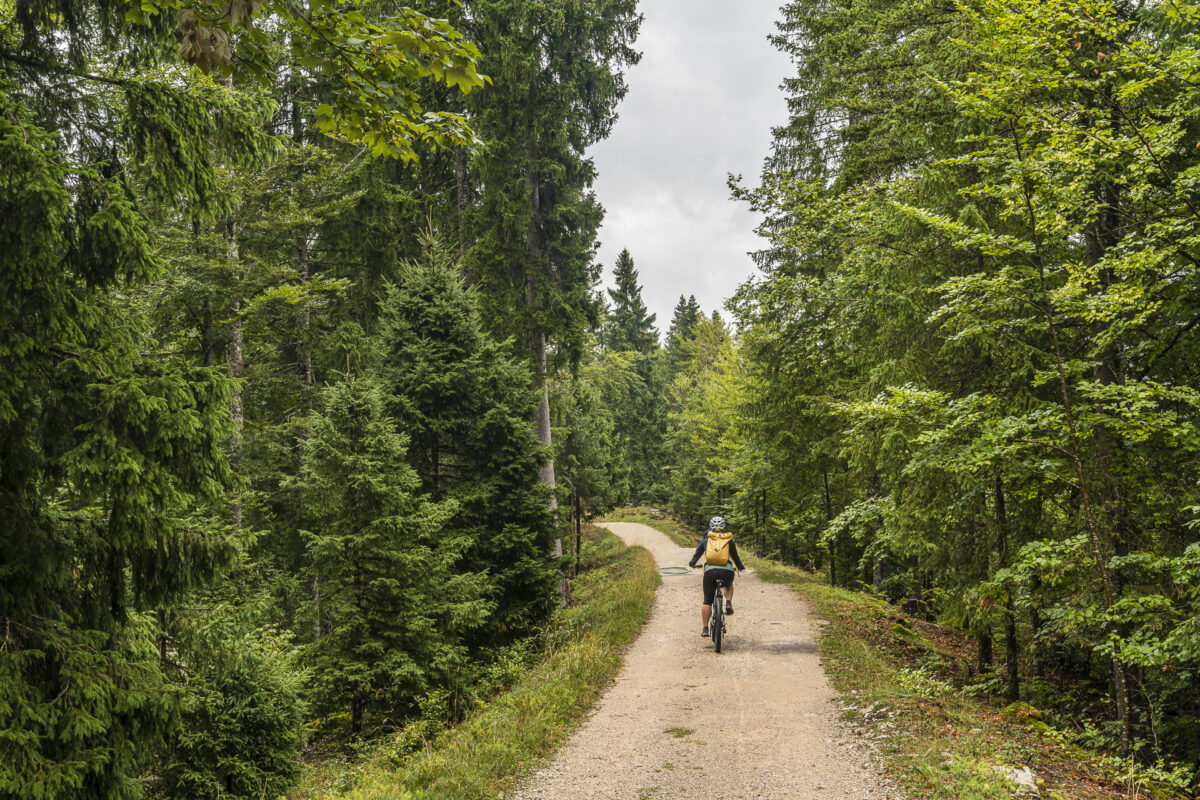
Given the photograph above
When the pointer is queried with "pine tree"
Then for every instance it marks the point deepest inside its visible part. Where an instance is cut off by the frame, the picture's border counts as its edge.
(641, 425)
(114, 442)
(467, 406)
(961, 302)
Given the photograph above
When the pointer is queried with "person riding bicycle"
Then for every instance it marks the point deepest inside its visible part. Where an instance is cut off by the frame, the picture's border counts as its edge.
(720, 555)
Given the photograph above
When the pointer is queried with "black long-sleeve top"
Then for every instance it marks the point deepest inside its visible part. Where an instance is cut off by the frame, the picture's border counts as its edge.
(733, 555)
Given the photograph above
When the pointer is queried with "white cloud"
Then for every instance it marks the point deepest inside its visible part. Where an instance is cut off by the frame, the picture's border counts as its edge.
(701, 105)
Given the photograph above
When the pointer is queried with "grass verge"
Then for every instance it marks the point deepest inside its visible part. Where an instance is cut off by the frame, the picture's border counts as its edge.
(901, 686)
(489, 751)
(679, 533)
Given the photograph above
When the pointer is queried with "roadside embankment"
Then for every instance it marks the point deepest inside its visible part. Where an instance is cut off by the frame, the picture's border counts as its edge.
(902, 688)
(500, 742)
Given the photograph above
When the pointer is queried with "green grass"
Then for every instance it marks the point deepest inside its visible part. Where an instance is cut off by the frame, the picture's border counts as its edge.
(900, 684)
(679, 533)
(488, 752)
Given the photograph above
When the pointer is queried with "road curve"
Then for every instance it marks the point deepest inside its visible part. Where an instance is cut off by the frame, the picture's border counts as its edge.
(680, 721)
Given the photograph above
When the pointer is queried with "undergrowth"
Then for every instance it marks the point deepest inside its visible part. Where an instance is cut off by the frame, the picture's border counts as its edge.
(502, 741)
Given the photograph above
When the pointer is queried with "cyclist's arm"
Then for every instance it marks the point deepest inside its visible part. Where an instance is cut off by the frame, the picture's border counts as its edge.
(733, 553)
(699, 551)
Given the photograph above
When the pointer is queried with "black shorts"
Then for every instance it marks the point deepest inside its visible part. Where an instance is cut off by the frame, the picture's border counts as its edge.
(710, 582)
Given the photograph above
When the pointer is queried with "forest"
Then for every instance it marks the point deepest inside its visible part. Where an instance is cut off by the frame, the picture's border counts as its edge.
(308, 367)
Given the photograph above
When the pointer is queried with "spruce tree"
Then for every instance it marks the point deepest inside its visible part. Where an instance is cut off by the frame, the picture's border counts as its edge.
(395, 604)
(468, 405)
(113, 441)
(559, 68)
(642, 422)
(111, 461)
(683, 323)
(628, 326)
(243, 713)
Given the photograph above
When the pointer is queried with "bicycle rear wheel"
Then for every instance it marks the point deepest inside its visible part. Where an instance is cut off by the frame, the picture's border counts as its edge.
(717, 624)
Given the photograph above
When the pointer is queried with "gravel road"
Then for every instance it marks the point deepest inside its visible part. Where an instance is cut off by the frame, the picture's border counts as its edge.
(681, 721)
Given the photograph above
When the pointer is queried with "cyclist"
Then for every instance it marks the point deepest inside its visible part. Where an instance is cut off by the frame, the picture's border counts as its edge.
(721, 566)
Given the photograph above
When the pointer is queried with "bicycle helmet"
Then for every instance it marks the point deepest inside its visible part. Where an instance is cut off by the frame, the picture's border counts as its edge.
(717, 523)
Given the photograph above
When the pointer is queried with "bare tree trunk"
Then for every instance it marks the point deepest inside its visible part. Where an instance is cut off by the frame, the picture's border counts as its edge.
(537, 338)
(316, 593)
(537, 343)
(207, 344)
(546, 471)
(460, 196)
(833, 545)
(879, 568)
(304, 321)
(235, 359)
(578, 532)
(984, 653)
(1035, 629)
(917, 593)
(356, 710)
(1013, 687)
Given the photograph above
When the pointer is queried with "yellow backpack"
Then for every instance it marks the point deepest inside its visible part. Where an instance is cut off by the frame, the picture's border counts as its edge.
(717, 551)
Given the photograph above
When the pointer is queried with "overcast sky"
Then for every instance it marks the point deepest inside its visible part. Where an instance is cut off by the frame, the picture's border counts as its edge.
(701, 104)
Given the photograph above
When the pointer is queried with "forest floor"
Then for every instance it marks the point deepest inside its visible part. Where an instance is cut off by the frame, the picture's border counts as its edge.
(756, 721)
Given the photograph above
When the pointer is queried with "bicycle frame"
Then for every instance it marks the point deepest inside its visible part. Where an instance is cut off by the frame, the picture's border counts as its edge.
(716, 623)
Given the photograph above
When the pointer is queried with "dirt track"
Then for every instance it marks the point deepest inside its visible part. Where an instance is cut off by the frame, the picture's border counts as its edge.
(756, 721)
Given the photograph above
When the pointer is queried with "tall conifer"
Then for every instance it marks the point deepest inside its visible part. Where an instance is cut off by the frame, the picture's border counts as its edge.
(397, 607)
(628, 326)
(468, 405)
(559, 68)
(683, 323)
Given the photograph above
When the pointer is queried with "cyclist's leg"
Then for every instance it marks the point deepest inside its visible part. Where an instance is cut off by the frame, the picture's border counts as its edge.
(710, 589)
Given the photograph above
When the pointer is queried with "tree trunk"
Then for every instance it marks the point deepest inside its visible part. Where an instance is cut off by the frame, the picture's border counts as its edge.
(917, 593)
(833, 545)
(537, 338)
(1105, 372)
(460, 197)
(1035, 628)
(537, 343)
(207, 338)
(235, 359)
(356, 711)
(879, 568)
(984, 653)
(578, 532)
(316, 593)
(303, 322)
(1013, 687)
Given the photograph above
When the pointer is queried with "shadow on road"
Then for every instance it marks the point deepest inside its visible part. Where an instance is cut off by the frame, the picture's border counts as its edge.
(779, 646)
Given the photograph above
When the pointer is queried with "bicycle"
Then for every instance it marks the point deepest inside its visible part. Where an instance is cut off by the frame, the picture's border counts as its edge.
(716, 624)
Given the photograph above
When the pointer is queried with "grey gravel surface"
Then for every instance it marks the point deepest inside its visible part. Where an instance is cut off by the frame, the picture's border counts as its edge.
(681, 721)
